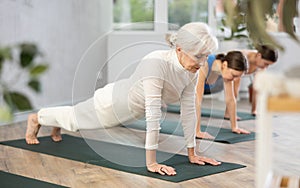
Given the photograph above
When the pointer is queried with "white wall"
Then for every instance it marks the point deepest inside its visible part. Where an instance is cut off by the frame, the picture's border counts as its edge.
(125, 50)
(65, 31)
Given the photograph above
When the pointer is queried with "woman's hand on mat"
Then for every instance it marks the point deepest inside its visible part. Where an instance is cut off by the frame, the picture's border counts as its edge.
(195, 159)
(240, 131)
(161, 169)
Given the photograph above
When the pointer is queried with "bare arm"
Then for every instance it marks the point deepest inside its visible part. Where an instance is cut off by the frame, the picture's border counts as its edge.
(237, 83)
(230, 103)
(199, 95)
(253, 102)
(231, 107)
(236, 88)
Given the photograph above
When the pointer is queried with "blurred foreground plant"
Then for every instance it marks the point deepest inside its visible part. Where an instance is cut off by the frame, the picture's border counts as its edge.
(19, 67)
(256, 13)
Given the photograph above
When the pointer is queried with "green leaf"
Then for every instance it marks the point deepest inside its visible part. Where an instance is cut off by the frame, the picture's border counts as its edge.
(17, 101)
(223, 21)
(26, 59)
(289, 12)
(228, 38)
(29, 47)
(35, 85)
(240, 36)
(28, 53)
(241, 29)
(1, 63)
(231, 12)
(5, 53)
(267, 6)
(256, 25)
(37, 70)
(5, 114)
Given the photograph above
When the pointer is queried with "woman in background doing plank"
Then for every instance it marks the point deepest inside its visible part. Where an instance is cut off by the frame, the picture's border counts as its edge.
(220, 68)
(258, 60)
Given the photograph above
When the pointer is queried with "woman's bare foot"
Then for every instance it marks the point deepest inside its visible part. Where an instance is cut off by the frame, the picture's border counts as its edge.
(204, 135)
(56, 135)
(240, 131)
(32, 130)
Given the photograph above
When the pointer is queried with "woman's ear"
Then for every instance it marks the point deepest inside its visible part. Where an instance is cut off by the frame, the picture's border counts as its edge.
(178, 49)
(179, 52)
(224, 64)
(258, 55)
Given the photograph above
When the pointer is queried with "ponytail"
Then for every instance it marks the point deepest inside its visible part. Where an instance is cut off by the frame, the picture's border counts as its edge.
(171, 39)
(221, 57)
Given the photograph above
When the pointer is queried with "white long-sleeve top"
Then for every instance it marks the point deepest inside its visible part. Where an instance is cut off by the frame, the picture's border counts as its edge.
(159, 78)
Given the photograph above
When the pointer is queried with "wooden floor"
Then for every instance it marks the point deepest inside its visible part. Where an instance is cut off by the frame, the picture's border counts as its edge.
(76, 174)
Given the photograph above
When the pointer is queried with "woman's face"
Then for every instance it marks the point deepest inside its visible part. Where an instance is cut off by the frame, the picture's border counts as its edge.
(229, 74)
(262, 63)
(191, 62)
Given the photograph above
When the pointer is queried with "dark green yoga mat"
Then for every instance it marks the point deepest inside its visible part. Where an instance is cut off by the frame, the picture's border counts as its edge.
(8, 180)
(223, 135)
(214, 113)
(76, 148)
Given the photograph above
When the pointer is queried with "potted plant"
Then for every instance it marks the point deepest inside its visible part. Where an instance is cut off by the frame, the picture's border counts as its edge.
(256, 13)
(18, 65)
(234, 31)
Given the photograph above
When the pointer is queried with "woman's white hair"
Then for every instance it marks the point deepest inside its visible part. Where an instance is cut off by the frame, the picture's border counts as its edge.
(194, 37)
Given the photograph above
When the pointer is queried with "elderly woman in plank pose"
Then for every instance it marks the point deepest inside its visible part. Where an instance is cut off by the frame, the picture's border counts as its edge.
(164, 76)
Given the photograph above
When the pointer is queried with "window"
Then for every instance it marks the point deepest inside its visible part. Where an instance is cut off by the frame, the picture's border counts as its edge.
(181, 12)
(133, 14)
(152, 14)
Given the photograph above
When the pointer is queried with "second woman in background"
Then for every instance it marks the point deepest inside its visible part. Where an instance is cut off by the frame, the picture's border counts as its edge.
(221, 68)
(213, 77)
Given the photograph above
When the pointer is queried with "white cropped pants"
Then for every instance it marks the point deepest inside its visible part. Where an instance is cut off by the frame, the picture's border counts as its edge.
(94, 113)
(71, 118)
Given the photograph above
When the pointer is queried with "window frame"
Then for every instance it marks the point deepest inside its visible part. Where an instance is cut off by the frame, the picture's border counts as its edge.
(161, 16)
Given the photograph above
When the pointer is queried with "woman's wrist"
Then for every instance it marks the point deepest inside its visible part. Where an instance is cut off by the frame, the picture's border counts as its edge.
(150, 158)
(151, 165)
(191, 152)
(234, 126)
